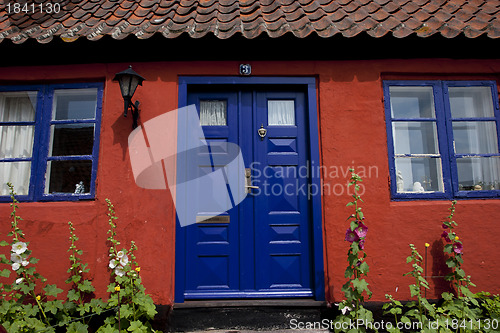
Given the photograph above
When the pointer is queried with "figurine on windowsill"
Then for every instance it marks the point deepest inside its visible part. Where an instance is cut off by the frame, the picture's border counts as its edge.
(79, 188)
(417, 187)
(400, 182)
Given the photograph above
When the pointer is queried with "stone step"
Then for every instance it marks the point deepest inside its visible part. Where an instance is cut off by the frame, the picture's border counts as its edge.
(241, 316)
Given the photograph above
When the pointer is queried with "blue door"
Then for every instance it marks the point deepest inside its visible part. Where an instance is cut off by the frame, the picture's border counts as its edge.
(262, 247)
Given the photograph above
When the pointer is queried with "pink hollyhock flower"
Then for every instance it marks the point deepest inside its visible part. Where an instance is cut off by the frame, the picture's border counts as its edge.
(362, 244)
(351, 236)
(361, 231)
(445, 236)
(458, 248)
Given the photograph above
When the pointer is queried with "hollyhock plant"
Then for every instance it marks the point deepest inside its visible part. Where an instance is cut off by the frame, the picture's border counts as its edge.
(356, 287)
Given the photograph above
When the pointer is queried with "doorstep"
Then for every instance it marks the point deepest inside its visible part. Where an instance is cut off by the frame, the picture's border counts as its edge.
(245, 315)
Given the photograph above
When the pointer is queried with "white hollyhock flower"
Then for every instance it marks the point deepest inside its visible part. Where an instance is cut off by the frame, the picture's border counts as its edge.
(120, 254)
(16, 266)
(16, 258)
(19, 247)
(113, 263)
(124, 260)
(120, 271)
(346, 309)
(19, 280)
(25, 263)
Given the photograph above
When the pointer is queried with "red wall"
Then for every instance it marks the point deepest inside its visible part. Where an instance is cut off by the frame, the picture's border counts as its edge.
(352, 133)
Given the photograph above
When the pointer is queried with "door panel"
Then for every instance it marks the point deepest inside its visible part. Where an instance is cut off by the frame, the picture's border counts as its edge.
(263, 248)
(212, 248)
(281, 207)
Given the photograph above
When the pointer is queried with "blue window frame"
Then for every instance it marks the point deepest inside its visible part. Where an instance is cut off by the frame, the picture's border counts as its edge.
(443, 139)
(49, 140)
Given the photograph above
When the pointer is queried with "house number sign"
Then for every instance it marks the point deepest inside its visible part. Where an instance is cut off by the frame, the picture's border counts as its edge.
(245, 69)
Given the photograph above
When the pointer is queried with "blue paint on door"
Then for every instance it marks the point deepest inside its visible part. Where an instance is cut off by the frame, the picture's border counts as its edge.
(266, 249)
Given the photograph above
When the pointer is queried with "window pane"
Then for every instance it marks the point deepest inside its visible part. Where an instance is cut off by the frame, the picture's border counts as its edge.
(471, 102)
(281, 112)
(415, 137)
(76, 139)
(478, 173)
(213, 113)
(17, 106)
(412, 102)
(475, 137)
(74, 104)
(68, 176)
(16, 141)
(419, 175)
(17, 173)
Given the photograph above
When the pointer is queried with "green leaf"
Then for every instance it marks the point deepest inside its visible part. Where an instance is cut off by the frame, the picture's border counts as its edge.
(52, 290)
(97, 305)
(4, 243)
(86, 286)
(77, 327)
(137, 326)
(447, 296)
(348, 272)
(33, 260)
(360, 285)
(107, 329)
(5, 273)
(125, 311)
(364, 268)
(53, 306)
(73, 295)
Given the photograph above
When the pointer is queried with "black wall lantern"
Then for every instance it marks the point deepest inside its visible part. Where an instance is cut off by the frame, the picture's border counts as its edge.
(129, 80)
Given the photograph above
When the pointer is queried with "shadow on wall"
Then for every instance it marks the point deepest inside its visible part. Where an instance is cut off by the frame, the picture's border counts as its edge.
(439, 269)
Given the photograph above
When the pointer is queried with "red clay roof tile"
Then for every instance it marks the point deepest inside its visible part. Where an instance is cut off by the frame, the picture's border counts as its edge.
(93, 19)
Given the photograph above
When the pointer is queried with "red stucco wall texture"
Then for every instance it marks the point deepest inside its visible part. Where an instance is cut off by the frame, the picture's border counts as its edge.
(352, 132)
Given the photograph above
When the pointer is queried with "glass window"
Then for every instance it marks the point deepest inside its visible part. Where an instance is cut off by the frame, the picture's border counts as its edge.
(412, 102)
(213, 113)
(64, 139)
(75, 104)
(415, 140)
(444, 138)
(281, 112)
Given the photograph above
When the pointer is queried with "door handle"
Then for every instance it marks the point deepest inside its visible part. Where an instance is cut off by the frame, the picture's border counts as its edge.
(248, 181)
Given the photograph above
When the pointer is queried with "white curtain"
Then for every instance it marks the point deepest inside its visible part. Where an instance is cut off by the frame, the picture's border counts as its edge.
(213, 113)
(16, 141)
(475, 137)
(281, 112)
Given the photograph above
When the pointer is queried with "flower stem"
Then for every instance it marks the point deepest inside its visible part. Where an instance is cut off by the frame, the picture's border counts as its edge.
(40, 307)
